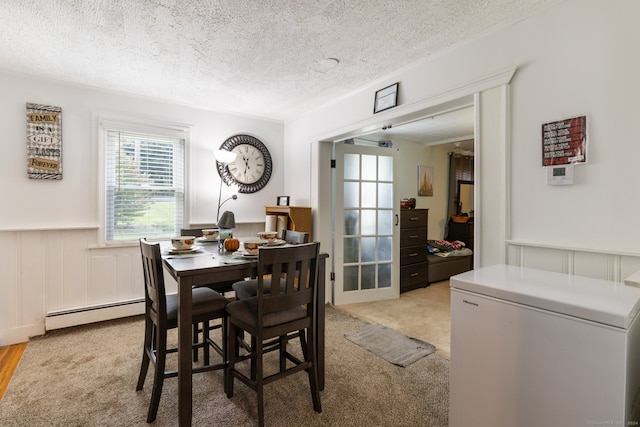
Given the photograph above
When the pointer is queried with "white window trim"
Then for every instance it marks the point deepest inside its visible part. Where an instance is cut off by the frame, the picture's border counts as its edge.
(175, 130)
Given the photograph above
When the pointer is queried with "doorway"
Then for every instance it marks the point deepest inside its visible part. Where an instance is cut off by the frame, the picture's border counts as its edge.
(490, 97)
(442, 131)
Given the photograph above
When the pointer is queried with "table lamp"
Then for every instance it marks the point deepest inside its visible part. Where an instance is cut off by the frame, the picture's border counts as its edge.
(225, 157)
(226, 224)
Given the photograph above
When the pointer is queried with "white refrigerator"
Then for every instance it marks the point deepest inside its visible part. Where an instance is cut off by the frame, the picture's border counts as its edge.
(536, 348)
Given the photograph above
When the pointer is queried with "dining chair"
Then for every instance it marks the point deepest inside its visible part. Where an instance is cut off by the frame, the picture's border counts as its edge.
(195, 232)
(248, 288)
(295, 237)
(221, 287)
(161, 315)
(276, 314)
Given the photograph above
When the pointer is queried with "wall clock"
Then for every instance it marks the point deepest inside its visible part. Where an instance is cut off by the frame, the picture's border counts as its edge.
(251, 170)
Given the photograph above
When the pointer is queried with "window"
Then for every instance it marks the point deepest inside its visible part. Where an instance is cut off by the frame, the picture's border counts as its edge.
(144, 182)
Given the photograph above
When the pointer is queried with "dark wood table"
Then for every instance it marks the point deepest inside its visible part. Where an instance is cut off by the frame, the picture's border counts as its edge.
(189, 271)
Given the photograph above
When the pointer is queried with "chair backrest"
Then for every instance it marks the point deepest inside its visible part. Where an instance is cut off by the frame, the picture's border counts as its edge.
(295, 237)
(154, 289)
(195, 232)
(294, 274)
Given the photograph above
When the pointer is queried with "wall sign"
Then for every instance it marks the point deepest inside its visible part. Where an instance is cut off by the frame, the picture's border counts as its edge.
(44, 141)
(386, 98)
(564, 142)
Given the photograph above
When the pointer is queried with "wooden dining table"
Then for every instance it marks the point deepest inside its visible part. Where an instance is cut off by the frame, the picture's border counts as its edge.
(210, 266)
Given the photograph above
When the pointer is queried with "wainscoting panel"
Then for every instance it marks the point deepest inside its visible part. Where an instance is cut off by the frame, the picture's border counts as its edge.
(629, 265)
(32, 277)
(606, 265)
(75, 268)
(539, 258)
(597, 265)
(104, 279)
(10, 296)
(55, 269)
(58, 278)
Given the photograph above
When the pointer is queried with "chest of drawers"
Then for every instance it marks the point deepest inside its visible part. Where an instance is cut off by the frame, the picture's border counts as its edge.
(414, 267)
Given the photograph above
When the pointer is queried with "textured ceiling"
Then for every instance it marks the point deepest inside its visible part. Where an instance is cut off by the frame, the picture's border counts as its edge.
(263, 58)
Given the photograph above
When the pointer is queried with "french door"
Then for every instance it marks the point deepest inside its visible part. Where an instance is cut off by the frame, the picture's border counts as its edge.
(366, 245)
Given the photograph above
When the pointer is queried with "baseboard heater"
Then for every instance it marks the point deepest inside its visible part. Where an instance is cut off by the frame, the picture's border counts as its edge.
(95, 313)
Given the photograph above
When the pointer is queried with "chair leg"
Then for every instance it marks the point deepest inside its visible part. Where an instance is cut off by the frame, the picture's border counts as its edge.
(225, 352)
(195, 342)
(205, 339)
(283, 349)
(144, 366)
(313, 370)
(254, 344)
(258, 351)
(232, 343)
(303, 344)
(158, 379)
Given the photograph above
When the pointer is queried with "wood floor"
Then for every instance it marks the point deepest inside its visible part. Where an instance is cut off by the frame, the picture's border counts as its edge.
(422, 313)
(9, 358)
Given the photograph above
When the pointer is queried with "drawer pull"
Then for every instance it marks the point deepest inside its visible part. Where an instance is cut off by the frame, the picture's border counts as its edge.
(415, 236)
(414, 254)
(415, 274)
(414, 218)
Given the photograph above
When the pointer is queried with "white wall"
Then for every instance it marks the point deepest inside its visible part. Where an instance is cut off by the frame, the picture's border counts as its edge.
(50, 259)
(38, 204)
(410, 156)
(575, 57)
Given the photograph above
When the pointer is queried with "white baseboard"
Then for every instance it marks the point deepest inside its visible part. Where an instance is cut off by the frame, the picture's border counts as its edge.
(92, 315)
(20, 335)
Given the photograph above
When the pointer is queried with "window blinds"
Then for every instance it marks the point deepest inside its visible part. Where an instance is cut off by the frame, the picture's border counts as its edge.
(144, 185)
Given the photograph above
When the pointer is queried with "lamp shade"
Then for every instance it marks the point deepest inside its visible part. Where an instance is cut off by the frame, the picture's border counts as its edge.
(224, 156)
(227, 220)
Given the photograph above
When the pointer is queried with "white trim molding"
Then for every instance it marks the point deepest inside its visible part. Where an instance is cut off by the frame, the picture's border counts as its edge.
(604, 264)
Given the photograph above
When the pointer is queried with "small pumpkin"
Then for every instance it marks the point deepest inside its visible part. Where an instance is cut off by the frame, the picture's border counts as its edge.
(231, 244)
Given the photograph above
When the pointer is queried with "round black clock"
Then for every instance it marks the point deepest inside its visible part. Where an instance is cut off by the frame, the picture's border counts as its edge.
(251, 170)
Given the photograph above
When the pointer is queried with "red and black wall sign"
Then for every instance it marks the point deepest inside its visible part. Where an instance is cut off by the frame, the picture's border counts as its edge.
(564, 142)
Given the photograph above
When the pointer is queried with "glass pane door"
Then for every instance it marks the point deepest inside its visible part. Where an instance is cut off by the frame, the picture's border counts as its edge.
(366, 245)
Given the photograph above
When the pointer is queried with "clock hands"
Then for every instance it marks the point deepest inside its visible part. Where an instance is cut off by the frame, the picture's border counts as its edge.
(246, 165)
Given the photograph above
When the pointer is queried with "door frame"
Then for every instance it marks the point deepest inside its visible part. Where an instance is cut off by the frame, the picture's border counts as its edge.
(491, 124)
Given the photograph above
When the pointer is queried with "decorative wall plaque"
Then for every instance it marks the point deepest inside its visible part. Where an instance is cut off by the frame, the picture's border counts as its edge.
(44, 141)
(564, 142)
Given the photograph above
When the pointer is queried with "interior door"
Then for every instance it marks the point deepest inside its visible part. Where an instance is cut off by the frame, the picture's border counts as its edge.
(366, 245)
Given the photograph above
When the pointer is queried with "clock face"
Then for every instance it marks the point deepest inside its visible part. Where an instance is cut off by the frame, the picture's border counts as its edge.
(251, 170)
(248, 167)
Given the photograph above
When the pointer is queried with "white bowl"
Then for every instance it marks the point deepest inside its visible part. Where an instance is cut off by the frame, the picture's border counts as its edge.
(251, 246)
(268, 235)
(183, 242)
(211, 233)
(252, 252)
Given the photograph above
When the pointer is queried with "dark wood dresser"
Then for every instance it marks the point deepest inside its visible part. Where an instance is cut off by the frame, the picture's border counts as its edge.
(414, 268)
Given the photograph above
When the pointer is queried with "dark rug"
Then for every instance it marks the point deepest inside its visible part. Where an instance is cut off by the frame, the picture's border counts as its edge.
(391, 345)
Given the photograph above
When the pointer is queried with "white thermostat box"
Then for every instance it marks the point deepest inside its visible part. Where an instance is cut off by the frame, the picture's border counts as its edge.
(560, 175)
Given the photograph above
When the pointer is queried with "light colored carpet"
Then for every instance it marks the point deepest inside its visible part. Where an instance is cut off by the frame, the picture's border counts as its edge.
(86, 376)
(390, 344)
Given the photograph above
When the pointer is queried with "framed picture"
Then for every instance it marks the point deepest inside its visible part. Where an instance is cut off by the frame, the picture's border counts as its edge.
(386, 98)
(564, 142)
(283, 201)
(425, 181)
